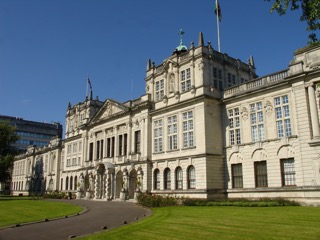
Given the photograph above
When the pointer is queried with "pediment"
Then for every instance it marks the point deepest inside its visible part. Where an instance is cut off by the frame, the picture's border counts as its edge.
(109, 109)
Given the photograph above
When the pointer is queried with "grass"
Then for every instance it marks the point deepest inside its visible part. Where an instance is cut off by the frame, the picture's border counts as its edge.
(14, 212)
(222, 223)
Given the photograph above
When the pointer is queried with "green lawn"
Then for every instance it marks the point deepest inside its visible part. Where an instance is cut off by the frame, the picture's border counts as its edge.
(21, 211)
(222, 223)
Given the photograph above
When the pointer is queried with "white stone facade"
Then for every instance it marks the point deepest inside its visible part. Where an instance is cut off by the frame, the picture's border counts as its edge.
(207, 127)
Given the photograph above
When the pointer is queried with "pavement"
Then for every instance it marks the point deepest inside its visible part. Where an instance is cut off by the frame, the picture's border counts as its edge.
(99, 215)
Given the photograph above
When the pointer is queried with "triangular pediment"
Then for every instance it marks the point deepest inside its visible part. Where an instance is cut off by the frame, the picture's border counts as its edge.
(109, 109)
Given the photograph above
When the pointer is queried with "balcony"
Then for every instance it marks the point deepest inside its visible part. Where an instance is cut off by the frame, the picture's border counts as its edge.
(256, 83)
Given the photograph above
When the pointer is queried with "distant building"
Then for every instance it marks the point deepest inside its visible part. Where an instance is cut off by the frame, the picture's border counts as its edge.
(207, 127)
(33, 133)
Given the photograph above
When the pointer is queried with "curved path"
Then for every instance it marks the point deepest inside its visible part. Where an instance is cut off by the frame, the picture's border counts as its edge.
(99, 214)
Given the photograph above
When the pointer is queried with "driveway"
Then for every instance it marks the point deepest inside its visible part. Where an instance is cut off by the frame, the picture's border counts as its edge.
(99, 214)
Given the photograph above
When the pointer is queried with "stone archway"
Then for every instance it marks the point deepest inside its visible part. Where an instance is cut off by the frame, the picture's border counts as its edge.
(119, 183)
(132, 183)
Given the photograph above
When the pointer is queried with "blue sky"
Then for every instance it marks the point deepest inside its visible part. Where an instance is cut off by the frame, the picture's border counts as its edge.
(49, 47)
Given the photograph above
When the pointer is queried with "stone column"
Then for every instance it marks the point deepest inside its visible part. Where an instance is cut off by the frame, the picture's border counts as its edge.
(313, 111)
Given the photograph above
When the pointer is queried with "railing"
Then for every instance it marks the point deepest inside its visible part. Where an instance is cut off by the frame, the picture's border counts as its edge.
(257, 83)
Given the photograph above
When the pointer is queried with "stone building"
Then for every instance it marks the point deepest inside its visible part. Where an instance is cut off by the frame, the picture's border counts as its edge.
(207, 127)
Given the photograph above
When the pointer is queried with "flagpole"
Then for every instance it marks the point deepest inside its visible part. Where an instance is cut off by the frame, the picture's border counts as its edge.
(218, 24)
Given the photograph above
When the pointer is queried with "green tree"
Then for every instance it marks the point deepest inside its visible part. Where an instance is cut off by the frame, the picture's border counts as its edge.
(7, 137)
(310, 14)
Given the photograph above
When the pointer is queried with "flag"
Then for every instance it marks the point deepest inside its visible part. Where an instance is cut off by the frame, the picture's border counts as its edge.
(217, 10)
(89, 84)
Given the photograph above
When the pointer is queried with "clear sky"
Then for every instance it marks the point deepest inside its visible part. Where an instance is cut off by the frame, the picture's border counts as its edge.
(48, 48)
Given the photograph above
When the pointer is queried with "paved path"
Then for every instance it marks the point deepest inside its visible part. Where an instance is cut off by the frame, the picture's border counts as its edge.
(99, 214)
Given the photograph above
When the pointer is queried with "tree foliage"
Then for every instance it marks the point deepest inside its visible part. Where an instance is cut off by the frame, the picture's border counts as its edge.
(310, 14)
(7, 137)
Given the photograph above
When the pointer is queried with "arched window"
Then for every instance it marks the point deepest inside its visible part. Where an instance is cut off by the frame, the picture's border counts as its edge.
(75, 182)
(156, 178)
(191, 177)
(71, 182)
(179, 178)
(167, 179)
(67, 182)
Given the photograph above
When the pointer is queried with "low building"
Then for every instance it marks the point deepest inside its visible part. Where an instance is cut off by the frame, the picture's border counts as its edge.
(207, 127)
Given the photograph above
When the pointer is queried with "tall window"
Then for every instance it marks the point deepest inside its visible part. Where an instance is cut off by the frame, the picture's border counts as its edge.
(108, 147)
(67, 183)
(191, 177)
(80, 146)
(261, 175)
(288, 172)
(172, 133)
(137, 141)
(157, 130)
(159, 90)
(257, 127)
(185, 80)
(236, 172)
(120, 145)
(187, 123)
(156, 179)
(234, 126)
(217, 79)
(125, 143)
(282, 116)
(98, 150)
(71, 182)
(90, 151)
(179, 178)
(167, 179)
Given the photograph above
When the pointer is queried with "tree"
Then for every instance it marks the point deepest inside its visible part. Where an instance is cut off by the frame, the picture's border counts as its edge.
(8, 136)
(310, 14)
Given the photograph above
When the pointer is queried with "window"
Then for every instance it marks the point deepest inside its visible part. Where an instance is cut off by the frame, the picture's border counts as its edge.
(80, 146)
(74, 161)
(167, 179)
(234, 126)
(179, 178)
(185, 80)
(75, 182)
(187, 125)
(257, 127)
(159, 90)
(217, 79)
(69, 149)
(125, 143)
(172, 133)
(90, 151)
(108, 147)
(191, 177)
(71, 183)
(120, 145)
(137, 141)
(236, 172)
(261, 176)
(288, 173)
(158, 136)
(67, 182)
(98, 150)
(156, 179)
(282, 116)
(74, 150)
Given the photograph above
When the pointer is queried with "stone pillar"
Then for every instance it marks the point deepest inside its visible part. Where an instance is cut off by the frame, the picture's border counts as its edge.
(313, 111)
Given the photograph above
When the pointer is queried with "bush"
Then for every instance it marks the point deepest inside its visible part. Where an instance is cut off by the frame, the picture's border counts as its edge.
(148, 200)
(54, 195)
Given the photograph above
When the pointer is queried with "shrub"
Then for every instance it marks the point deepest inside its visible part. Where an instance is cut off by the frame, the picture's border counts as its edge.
(148, 200)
